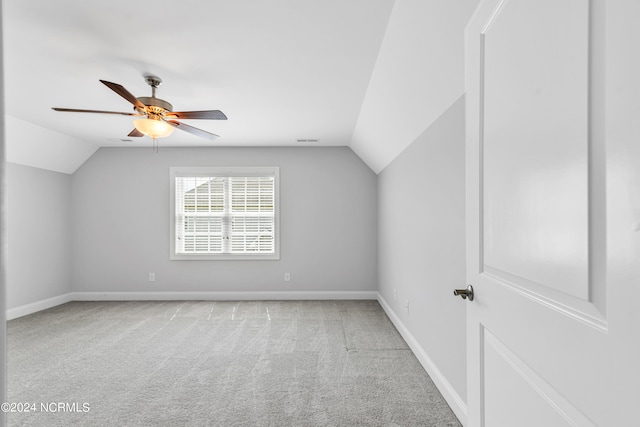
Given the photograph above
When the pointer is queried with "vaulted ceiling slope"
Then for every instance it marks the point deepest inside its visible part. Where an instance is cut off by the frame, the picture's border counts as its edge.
(419, 73)
(281, 70)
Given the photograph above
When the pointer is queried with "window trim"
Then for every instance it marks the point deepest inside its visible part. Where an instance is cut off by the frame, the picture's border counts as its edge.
(225, 171)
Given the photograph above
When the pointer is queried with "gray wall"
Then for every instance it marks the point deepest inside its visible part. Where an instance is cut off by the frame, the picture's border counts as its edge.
(121, 223)
(38, 234)
(104, 228)
(422, 242)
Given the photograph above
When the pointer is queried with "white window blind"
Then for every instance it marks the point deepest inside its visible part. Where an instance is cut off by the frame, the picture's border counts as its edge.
(225, 212)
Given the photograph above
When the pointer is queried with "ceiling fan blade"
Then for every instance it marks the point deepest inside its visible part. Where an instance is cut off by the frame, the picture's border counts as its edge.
(120, 90)
(75, 110)
(135, 133)
(207, 115)
(195, 131)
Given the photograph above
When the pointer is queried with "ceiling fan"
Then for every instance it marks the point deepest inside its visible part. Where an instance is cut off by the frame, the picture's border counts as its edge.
(157, 114)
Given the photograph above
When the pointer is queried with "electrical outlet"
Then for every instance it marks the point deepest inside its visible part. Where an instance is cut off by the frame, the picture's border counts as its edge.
(287, 277)
(152, 277)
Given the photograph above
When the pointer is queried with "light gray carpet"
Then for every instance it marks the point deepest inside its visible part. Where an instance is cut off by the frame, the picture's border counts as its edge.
(212, 363)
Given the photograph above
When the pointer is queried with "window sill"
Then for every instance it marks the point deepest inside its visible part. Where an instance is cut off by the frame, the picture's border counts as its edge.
(224, 257)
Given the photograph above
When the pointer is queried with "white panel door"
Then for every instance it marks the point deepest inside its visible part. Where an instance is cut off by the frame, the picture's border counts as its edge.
(549, 325)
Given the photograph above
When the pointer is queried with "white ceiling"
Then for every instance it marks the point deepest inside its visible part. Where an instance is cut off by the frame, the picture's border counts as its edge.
(369, 74)
(281, 70)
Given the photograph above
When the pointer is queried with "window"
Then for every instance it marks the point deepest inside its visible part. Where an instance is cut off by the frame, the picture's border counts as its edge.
(224, 213)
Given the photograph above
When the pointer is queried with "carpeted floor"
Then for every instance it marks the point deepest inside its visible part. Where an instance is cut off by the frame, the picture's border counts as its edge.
(213, 363)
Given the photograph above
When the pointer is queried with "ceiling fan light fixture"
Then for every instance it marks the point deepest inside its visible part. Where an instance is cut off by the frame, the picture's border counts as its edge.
(154, 128)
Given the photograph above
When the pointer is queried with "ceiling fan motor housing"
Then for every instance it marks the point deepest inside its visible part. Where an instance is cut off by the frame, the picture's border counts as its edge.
(155, 105)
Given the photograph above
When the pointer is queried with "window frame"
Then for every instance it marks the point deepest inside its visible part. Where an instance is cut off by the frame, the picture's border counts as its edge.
(224, 171)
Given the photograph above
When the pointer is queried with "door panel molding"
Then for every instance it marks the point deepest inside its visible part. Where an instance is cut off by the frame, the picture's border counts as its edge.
(534, 143)
(524, 383)
(577, 308)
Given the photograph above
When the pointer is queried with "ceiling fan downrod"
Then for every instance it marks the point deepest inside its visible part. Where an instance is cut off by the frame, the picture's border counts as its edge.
(154, 82)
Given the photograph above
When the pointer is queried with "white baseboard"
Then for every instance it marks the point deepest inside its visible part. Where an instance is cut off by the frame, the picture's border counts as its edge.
(34, 307)
(454, 400)
(222, 296)
(23, 310)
